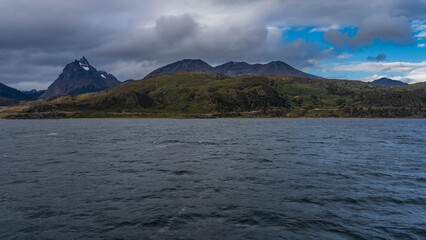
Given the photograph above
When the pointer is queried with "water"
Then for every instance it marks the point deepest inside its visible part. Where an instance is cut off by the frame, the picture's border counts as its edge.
(213, 179)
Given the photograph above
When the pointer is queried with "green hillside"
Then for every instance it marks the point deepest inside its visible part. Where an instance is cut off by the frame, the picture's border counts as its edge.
(216, 95)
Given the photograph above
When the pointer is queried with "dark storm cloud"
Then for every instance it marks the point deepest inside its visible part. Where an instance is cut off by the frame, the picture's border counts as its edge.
(378, 58)
(380, 27)
(336, 38)
(174, 29)
(215, 45)
(385, 28)
(181, 36)
(130, 38)
(49, 25)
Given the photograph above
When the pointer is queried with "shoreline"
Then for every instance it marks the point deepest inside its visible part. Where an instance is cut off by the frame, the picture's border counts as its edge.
(197, 117)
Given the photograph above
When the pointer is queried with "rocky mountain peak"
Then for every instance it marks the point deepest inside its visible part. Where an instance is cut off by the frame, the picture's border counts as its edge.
(80, 77)
(83, 60)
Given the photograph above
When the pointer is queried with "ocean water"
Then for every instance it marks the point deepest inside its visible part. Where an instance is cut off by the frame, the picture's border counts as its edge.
(213, 179)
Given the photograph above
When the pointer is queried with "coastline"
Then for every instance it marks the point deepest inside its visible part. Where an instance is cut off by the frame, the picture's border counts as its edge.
(236, 115)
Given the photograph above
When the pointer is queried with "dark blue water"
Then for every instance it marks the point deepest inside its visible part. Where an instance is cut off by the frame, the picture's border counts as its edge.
(213, 179)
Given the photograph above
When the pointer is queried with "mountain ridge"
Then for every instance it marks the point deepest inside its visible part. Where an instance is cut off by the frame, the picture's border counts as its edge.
(10, 96)
(231, 69)
(34, 94)
(185, 65)
(387, 82)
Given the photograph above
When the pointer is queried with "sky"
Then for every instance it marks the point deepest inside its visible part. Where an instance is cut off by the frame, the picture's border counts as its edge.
(356, 40)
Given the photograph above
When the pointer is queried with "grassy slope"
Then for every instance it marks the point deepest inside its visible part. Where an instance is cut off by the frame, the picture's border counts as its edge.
(204, 95)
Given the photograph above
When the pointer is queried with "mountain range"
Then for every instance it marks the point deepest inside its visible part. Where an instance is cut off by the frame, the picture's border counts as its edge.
(201, 95)
(34, 94)
(231, 69)
(80, 77)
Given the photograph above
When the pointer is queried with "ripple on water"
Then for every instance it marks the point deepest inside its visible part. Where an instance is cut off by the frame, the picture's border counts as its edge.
(213, 179)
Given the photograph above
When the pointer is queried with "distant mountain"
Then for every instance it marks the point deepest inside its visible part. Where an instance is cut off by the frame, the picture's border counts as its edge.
(388, 82)
(80, 77)
(234, 68)
(10, 96)
(34, 94)
(128, 80)
(186, 65)
(231, 69)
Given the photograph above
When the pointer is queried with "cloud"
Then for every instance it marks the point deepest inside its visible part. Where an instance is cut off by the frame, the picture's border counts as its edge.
(344, 56)
(131, 69)
(412, 72)
(275, 37)
(378, 58)
(130, 37)
(36, 67)
(372, 78)
(30, 85)
(422, 45)
(324, 28)
(174, 29)
(380, 67)
(336, 38)
(419, 27)
(384, 28)
(213, 43)
(377, 27)
(415, 76)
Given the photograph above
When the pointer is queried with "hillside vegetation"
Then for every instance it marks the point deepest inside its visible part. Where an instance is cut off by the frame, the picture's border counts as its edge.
(216, 95)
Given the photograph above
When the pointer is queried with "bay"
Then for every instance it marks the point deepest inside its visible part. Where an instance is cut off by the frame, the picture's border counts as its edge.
(213, 179)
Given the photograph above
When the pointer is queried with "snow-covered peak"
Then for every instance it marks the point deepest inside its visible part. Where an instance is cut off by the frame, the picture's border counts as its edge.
(84, 66)
(84, 63)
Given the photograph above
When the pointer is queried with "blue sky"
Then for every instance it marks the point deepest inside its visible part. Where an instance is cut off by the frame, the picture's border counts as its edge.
(414, 52)
(130, 38)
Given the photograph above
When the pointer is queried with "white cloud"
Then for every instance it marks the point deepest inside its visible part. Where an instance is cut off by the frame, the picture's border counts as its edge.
(372, 78)
(411, 72)
(418, 75)
(344, 56)
(419, 27)
(421, 35)
(26, 86)
(325, 28)
(381, 67)
(422, 45)
(393, 77)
